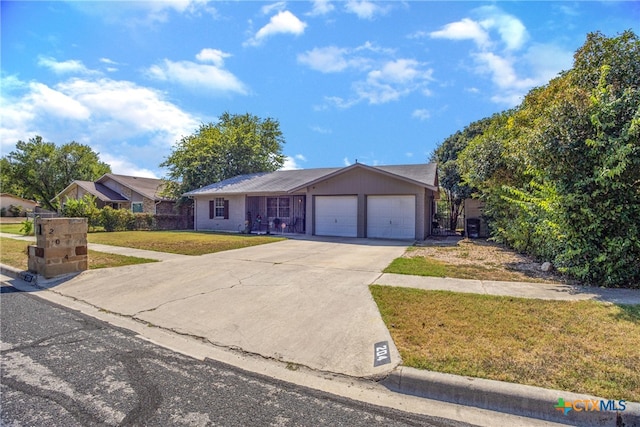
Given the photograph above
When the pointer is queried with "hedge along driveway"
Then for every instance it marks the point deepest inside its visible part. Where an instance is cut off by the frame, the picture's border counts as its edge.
(180, 242)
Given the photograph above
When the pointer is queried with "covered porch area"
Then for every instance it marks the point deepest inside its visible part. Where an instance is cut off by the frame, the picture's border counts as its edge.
(278, 213)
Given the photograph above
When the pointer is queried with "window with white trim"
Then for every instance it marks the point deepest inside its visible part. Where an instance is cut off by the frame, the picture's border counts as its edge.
(136, 207)
(219, 207)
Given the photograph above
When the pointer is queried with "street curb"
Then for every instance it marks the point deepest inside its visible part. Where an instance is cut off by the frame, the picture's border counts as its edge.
(508, 398)
(17, 273)
(516, 399)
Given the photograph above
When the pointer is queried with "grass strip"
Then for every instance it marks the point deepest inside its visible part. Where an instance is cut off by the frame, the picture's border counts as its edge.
(426, 266)
(11, 228)
(578, 346)
(14, 253)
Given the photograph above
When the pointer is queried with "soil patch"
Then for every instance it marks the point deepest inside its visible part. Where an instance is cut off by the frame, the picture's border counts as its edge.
(496, 260)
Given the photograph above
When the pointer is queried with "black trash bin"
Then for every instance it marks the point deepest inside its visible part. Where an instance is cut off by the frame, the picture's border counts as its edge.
(473, 228)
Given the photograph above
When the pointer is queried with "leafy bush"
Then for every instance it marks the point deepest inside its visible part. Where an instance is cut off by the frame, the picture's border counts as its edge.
(27, 227)
(83, 208)
(559, 174)
(117, 219)
(144, 221)
(16, 210)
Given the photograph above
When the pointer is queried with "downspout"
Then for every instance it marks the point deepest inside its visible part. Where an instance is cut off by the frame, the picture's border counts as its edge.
(195, 213)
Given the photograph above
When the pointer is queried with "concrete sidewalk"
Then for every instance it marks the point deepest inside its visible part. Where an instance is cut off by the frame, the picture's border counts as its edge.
(306, 303)
(119, 250)
(546, 291)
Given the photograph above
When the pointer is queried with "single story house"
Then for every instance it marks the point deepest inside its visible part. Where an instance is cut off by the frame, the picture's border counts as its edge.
(9, 201)
(134, 193)
(393, 202)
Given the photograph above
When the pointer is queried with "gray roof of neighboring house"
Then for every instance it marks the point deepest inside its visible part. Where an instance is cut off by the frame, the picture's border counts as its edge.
(100, 191)
(148, 187)
(294, 180)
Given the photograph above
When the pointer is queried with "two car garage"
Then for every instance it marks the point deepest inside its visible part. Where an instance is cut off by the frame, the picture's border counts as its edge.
(385, 216)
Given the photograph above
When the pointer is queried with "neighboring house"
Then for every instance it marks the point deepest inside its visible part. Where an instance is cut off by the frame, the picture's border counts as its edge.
(8, 200)
(395, 202)
(134, 193)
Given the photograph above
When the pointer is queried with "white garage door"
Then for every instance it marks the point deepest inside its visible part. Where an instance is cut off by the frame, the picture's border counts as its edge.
(391, 217)
(336, 216)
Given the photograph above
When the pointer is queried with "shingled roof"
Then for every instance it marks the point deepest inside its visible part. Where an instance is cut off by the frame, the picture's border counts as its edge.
(100, 191)
(288, 181)
(148, 187)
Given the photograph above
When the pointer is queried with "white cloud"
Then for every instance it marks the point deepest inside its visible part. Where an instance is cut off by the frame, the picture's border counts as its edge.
(503, 73)
(129, 108)
(273, 7)
(392, 81)
(330, 59)
(291, 163)
(547, 60)
(200, 76)
(123, 166)
(111, 65)
(321, 130)
(135, 14)
(511, 30)
(284, 22)
(421, 114)
(338, 102)
(465, 29)
(102, 113)
(71, 66)
(500, 39)
(321, 7)
(364, 9)
(399, 71)
(54, 103)
(384, 80)
(214, 56)
(346, 161)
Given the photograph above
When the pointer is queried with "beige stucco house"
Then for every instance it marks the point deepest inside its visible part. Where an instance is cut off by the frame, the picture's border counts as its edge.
(138, 194)
(8, 200)
(393, 202)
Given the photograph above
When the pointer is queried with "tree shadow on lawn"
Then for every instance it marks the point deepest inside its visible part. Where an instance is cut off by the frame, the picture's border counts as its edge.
(628, 313)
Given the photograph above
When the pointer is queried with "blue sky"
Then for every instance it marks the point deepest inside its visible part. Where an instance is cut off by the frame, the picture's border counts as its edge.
(380, 82)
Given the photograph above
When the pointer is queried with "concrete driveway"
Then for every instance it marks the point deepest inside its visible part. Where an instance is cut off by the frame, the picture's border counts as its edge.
(301, 301)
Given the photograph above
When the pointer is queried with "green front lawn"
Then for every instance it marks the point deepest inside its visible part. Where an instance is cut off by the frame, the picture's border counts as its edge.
(11, 228)
(180, 242)
(14, 253)
(579, 346)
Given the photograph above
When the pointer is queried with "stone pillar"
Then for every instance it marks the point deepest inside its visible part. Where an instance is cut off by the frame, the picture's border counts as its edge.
(61, 246)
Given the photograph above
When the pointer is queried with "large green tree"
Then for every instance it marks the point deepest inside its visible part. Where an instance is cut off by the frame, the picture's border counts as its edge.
(39, 170)
(560, 174)
(449, 176)
(235, 145)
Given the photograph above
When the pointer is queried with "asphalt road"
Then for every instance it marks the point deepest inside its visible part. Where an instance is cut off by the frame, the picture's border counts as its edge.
(62, 368)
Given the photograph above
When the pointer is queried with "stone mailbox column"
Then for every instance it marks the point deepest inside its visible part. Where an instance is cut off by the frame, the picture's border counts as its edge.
(61, 246)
